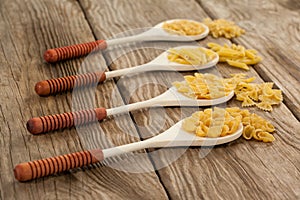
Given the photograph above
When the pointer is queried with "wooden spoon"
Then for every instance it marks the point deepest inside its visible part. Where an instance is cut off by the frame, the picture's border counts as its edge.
(171, 97)
(156, 33)
(160, 63)
(173, 137)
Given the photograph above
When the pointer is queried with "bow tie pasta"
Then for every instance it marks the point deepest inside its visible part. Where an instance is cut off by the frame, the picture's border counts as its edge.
(209, 86)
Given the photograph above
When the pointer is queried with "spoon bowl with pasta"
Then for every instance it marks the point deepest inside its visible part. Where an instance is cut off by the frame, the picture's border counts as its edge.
(170, 30)
(173, 137)
(171, 97)
(181, 58)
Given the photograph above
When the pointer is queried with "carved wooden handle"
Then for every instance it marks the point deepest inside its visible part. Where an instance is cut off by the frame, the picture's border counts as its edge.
(48, 123)
(73, 51)
(40, 168)
(58, 85)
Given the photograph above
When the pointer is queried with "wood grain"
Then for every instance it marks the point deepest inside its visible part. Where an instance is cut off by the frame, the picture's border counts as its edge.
(31, 27)
(241, 169)
(274, 32)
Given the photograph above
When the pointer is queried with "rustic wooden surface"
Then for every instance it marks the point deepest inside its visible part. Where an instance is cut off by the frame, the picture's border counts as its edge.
(241, 169)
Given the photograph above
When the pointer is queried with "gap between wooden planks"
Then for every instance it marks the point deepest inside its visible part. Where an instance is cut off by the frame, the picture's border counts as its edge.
(30, 28)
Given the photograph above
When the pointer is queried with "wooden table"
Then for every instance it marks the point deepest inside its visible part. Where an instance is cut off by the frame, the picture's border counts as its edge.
(239, 170)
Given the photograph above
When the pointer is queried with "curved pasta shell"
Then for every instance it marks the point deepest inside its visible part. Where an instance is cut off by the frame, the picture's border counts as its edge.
(255, 133)
(225, 130)
(233, 126)
(248, 132)
(200, 132)
(265, 137)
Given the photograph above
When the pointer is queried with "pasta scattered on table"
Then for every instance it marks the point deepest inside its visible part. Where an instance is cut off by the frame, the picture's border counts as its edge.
(184, 27)
(223, 28)
(236, 55)
(259, 95)
(219, 122)
(191, 56)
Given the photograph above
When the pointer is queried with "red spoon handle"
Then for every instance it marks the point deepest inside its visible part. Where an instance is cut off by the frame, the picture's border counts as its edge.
(73, 51)
(59, 85)
(48, 123)
(44, 167)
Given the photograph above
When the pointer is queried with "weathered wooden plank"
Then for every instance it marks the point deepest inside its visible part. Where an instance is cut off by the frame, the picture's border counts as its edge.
(272, 27)
(247, 170)
(28, 29)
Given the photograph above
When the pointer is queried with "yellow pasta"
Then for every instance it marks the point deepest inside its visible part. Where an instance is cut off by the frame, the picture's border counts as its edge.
(248, 131)
(184, 27)
(209, 86)
(237, 64)
(204, 86)
(223, 28)
(211, 123)
(236, 55)
(219, 122)
(260, 95)
(254, 126)
(191, 56)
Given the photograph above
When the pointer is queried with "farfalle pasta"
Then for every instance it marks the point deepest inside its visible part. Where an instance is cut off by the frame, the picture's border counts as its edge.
(209, 86)
(203, 86)
(191, 56)
(260, 95)
(184, 27)
(236, 55)
(219, 122)
(223, 28)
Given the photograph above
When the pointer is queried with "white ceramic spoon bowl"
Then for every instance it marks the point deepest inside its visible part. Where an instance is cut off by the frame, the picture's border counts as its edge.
(157, 33)
(173, 137)
(162, 63)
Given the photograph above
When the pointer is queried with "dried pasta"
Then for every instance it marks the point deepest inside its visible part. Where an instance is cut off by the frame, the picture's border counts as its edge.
(209, 86)
(219, 122)
(223, 28)
(236, 55)
(184, 27)
(203, 86)
(191, 56)
(259, 95)
(212, 123)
